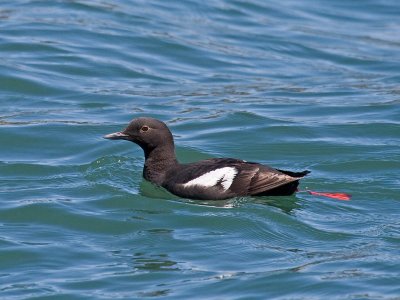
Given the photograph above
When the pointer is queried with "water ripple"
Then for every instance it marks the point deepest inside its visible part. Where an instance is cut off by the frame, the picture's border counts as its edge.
(297, 85)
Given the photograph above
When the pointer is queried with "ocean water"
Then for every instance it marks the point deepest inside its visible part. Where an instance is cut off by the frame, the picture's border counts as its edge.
(293, 84)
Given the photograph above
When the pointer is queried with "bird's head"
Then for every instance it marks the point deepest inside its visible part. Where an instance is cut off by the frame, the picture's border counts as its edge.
(148, 133)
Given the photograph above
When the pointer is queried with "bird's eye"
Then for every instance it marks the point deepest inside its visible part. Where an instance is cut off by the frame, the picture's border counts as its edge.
(144, 128)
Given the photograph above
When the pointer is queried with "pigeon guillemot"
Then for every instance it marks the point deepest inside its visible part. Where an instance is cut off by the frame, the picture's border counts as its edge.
(211, 179)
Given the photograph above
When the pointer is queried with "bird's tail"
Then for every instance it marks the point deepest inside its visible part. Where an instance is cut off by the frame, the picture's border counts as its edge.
(332, 195)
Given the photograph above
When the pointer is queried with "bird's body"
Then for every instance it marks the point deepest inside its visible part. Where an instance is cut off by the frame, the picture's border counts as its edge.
(211, 179)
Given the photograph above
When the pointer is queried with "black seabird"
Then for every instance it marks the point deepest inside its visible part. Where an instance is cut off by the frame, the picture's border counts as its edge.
(211, 179)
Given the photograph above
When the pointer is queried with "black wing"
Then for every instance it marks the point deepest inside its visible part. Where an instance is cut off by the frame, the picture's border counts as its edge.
(256, 179)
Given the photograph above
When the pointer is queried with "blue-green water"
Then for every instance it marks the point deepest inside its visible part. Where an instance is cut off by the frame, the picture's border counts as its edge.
(294, 84)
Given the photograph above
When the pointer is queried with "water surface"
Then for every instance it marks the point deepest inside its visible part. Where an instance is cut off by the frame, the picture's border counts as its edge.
(297, 85)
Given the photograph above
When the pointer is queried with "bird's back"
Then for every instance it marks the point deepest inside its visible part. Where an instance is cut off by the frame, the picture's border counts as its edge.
(222, 178)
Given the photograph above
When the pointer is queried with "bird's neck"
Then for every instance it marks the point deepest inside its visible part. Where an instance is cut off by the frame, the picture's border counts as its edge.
(157, 162)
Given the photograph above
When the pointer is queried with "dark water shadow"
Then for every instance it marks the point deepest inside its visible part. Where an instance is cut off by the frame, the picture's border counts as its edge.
(153, 262)
(286, 204)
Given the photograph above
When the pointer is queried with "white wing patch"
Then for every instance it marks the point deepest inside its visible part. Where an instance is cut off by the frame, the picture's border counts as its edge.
(224, 176)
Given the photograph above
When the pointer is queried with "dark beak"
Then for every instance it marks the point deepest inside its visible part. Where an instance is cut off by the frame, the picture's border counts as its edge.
(116, 136)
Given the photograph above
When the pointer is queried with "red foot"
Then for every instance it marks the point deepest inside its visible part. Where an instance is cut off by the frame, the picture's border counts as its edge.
(338, 196)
